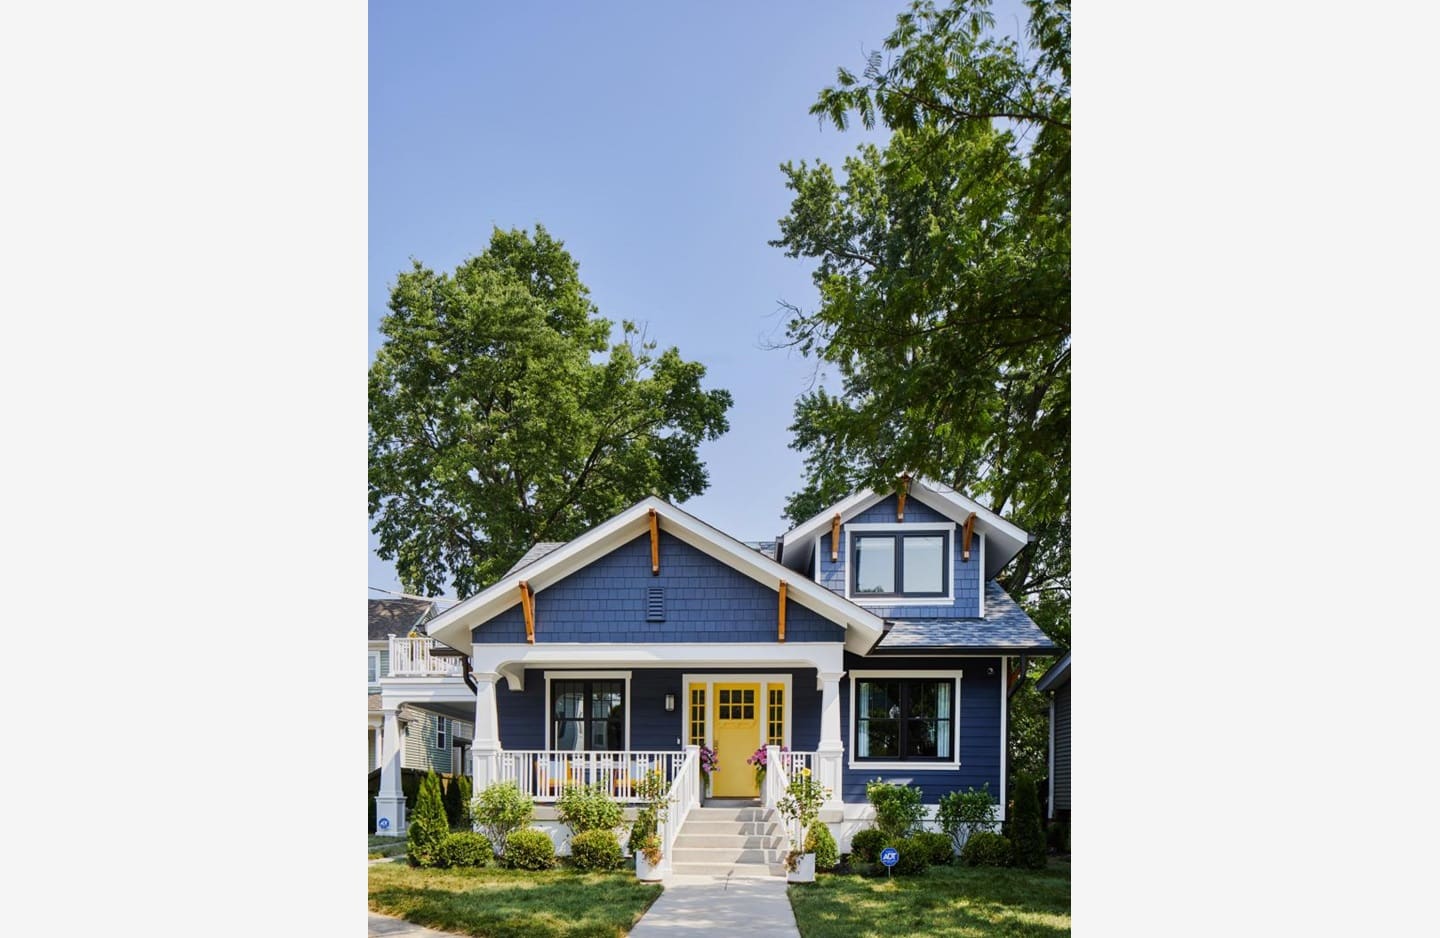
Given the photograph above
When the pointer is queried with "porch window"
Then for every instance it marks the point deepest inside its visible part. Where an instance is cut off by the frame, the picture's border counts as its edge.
(900, 565)
(587, 715)
(904, 719)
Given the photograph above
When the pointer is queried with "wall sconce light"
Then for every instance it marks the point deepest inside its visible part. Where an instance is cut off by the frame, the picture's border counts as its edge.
(669, 703)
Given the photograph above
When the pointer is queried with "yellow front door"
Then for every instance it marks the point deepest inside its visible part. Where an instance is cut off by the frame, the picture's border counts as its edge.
(737, 714)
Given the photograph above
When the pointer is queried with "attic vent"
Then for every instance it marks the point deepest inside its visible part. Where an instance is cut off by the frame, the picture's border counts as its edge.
(655, 604)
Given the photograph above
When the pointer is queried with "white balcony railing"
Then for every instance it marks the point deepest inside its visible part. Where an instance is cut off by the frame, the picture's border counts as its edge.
(543, 773)
(411, 657)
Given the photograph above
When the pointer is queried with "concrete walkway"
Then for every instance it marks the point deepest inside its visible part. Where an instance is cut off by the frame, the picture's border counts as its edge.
(383, 926)
(717, 905)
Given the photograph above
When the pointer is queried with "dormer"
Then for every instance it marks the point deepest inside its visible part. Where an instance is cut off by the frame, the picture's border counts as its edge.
(920, 550)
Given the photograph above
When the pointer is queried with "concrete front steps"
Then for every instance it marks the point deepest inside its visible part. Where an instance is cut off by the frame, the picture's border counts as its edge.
(733, 839)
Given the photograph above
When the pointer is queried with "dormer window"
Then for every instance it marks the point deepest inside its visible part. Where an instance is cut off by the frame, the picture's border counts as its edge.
(910, 564)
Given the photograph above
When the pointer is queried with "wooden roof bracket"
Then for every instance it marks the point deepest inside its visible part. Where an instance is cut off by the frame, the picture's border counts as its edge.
(835, 538)
(900, 502)
(782, 612)
(527, 605)
(654, 543)
(965, 535)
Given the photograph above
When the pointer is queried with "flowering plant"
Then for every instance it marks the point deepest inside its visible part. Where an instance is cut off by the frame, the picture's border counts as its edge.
(757, 759)
(800, 806)
(707, 759)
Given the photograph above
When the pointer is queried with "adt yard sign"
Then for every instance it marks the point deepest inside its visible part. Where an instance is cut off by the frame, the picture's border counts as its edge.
(889, 856)
(384, 824)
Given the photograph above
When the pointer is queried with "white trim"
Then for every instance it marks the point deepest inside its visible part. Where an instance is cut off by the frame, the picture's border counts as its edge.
(945, 599)
(452, 627)
(1050, 766)
(558, 675)
(903, 765)
(709, 680)
(511, 660)
(1004, 728)
(982, 576)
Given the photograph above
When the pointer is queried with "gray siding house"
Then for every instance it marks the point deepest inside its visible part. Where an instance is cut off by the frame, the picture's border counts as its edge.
(1056, 682)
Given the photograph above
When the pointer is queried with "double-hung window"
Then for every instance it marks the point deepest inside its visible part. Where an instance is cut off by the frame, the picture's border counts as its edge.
(900, 564)
(588, 715)
(905, 719)
(374, 666)
(442, 732)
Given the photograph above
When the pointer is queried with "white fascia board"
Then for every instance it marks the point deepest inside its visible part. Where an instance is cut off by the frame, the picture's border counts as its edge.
(398, 691)
(453, 626)
(510, 660)
(819, 524)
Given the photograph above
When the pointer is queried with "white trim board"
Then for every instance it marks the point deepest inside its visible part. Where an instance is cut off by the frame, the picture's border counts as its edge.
(551, 676)
(754, 677)
(903, 765)
(937, 527)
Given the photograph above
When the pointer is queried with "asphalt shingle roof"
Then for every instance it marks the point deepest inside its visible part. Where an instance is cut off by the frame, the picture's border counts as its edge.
(1005, 627)
(534, 554)
(396, 616)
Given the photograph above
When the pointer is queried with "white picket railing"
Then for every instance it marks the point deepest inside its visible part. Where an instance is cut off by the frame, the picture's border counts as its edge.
(544, 773)
(794, 762)
(410, 657)
(781, 766)
(684, 794)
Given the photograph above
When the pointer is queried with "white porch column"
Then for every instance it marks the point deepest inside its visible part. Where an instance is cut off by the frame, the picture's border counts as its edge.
(485, 752)
(831, 752)
(390, 803)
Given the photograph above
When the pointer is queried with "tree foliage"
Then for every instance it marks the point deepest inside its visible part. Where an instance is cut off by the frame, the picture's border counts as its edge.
(498, 419)
(943, 271)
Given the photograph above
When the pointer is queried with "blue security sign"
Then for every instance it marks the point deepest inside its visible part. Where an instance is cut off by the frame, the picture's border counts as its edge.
(889, 856)
(384, 824)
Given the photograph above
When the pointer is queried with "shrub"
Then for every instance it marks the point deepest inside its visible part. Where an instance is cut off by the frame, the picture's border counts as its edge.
(428, 826)
(1027, 833)
(454, 807)
(1057, 837)
(585, 808)
(897, 807)
(528, 849)
(987, 848)
(914, 856)
(643, 827)
(938, 848)
(964, 813)
(464, 848)
(867, 844)
(467, 794)
(822, 843)
(596, 850)
(500, 810)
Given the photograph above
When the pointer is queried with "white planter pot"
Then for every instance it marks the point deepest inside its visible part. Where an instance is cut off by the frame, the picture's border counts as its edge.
(651, 874)
(804, 871)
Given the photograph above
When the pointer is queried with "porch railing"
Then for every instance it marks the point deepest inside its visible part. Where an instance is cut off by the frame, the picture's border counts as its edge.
(785, 765)
(411, 657)
(544, 773)
(684, 794)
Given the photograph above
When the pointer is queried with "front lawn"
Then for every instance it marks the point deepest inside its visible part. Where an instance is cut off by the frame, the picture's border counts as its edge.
(944, 900)
(512, 902)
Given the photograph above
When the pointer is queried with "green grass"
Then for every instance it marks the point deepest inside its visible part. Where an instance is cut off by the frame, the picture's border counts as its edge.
(512, 902)
(952, 901)
(386, 847)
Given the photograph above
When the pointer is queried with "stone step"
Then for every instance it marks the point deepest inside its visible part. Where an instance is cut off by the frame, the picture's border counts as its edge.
(742, 828)
(714, 855)
(687, 838)
(726, 870)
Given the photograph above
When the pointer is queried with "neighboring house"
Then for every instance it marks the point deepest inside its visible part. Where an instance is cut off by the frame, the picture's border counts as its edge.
(431, 738)
(1056, 683)
(870, 641)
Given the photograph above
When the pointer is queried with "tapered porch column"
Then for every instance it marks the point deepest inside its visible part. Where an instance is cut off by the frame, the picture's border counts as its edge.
(390, 803)
(831, 751)
(485, 751)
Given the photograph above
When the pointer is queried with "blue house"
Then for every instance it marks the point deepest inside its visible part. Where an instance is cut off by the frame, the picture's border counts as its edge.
(869, 642)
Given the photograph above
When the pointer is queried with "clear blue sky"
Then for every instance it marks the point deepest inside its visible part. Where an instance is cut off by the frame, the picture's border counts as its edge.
(646, 136)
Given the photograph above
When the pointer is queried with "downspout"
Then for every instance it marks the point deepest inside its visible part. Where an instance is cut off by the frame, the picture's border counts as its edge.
(469, 681)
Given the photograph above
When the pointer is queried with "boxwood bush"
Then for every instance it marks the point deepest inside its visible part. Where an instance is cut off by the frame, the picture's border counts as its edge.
(986, 848)
(596, 850)
(464, 849)
(501, 809)
(938, 848)
(821, 842)
(585, 808)
(867, 844)
(898, 810)
(528, 849)
(914, 856)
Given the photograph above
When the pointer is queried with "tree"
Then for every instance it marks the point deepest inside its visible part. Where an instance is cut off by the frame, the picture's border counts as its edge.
(427, 824)
(943, 270)
(497, 420)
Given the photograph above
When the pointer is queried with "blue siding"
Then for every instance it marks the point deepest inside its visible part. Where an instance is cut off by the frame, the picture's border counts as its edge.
(965, 574)
(522, 718)
(979, 728)
(705, 601)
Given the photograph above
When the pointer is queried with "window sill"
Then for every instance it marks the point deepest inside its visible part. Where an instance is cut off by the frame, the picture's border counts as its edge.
(871, 599)
(916, 766)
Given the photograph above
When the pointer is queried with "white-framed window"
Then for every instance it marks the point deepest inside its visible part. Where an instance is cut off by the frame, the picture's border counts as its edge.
(374, 666)
(588, 710)
(905, 564)
(442, 732)
(905, 718)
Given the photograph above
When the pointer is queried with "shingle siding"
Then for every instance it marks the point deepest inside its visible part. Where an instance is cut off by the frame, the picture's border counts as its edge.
(964, 574)
(705, 601)
(979, 744)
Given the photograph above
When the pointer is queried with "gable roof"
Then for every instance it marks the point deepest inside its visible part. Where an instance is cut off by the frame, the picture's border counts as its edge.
(1004, 628)
(396, 616)
(533, 554)
(1003, 540)
(1057, 677)
(453, 626)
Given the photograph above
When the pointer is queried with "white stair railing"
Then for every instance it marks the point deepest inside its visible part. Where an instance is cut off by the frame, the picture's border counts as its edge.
(683, 794)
